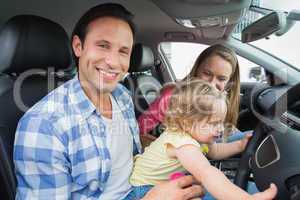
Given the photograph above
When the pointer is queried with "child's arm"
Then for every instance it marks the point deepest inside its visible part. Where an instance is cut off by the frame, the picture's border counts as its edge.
(212, 179)
(219, 151)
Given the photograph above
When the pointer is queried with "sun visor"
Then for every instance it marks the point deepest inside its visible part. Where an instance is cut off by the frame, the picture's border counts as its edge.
(205, 13)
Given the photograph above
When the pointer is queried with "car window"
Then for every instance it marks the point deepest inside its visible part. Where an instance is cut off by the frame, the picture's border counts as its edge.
(181, 57)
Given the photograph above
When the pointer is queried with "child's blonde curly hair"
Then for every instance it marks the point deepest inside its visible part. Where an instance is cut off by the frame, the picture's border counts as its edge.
(192, 100)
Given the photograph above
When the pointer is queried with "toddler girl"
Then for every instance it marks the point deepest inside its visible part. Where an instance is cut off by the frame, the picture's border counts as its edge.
(194, 121)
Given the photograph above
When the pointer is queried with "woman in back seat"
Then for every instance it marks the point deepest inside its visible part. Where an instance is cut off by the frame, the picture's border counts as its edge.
(218, 65)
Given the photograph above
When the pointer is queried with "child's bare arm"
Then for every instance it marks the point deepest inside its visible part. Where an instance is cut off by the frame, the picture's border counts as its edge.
(219, 151)
(212, 179)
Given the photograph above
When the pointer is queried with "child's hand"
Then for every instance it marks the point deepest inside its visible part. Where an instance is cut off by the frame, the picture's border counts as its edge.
(268, 194)
(244, 141)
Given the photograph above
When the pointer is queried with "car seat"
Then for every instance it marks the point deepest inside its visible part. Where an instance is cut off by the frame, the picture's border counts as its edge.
(143, 86)
(34, 53)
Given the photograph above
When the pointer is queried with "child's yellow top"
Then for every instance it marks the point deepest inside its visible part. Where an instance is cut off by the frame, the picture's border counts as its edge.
(154, 165)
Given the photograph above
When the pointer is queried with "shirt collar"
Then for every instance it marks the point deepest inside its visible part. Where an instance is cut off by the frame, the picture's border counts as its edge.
(82, 104)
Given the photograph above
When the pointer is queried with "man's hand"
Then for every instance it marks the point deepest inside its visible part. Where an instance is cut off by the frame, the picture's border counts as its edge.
(179, 189)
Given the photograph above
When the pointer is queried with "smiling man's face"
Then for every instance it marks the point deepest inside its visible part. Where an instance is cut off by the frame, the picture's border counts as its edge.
(105, 54)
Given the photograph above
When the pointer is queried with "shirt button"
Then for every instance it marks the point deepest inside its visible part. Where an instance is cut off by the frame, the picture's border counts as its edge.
(94, 185)
(94, 128)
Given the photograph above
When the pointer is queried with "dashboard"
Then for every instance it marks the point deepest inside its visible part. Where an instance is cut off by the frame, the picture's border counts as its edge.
(265, 98)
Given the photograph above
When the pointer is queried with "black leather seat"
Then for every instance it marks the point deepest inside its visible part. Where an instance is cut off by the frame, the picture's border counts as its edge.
(34, 53)
(140, 81)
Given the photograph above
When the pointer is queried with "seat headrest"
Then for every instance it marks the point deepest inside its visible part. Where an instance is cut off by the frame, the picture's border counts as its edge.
(28, 41)
(142, 58)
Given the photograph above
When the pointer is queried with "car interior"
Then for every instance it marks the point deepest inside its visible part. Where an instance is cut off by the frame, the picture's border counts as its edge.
(36, 57)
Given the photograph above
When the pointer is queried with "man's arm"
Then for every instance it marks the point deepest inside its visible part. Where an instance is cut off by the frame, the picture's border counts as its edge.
(40, 161)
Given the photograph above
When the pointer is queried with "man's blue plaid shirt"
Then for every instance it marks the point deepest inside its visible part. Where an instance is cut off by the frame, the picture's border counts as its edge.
(60, 150)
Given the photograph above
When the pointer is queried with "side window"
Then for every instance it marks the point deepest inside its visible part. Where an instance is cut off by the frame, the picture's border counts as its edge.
(181, 56)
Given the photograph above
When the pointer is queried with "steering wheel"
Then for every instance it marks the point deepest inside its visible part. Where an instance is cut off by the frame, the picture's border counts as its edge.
(272, 153)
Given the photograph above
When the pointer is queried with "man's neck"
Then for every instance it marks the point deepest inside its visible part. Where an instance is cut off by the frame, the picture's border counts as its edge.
(101, 101)
(104, 105)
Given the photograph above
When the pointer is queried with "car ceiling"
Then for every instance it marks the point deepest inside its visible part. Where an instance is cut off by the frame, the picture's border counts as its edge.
(152, 17)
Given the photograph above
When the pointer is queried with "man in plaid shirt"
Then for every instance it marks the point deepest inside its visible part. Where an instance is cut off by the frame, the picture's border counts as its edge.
(78, 142)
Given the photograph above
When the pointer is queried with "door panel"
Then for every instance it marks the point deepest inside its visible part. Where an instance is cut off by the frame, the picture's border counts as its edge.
(247, 120)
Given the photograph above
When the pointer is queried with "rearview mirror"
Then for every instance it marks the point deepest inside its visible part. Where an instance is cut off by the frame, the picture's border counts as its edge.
(277, 22)
(264, 27)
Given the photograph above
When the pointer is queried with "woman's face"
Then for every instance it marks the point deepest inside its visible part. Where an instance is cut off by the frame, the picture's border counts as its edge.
(216, 71)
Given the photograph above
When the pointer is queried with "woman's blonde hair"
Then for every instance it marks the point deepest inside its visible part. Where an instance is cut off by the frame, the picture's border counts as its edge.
(191, 100)
(233, 85)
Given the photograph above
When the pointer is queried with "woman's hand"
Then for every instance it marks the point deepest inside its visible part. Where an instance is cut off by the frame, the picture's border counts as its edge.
(146, 139)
